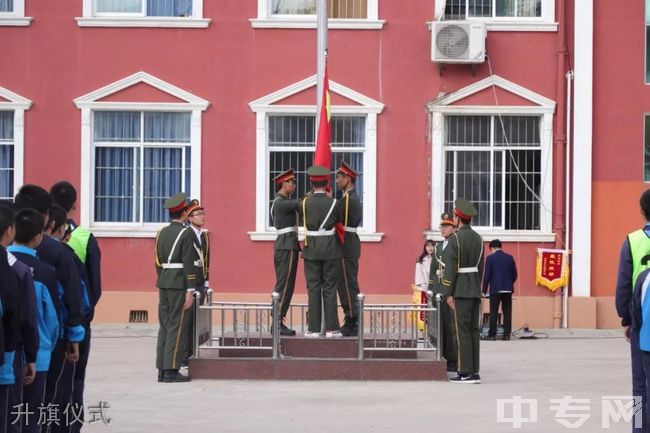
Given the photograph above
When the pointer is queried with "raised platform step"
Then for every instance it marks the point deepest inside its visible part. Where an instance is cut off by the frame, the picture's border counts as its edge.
(303, 358)
(317, 369)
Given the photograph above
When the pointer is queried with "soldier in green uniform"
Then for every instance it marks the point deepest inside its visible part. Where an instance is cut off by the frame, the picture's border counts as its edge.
(322, 254)
(447, 337)
(462, 262)
(284, 214)
(177, 279)
(201, 242)
(350, 213)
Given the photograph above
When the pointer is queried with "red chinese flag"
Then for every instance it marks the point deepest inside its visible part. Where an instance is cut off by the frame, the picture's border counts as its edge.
(323, 153)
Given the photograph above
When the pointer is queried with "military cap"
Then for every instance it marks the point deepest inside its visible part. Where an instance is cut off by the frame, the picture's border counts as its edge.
(318, 173)
(194, 205)
(447, 219)
(176, 202)
(347, 170)
(464, 209)
(285, 176)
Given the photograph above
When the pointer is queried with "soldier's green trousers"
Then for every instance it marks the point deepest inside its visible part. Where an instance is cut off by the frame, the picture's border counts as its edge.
(174, 331)
(348, 287)
(467, 333)
(448, 335)
(286, 264)
(322, 279)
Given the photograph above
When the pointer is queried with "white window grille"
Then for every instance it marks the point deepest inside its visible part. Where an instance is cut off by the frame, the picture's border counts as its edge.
(7, 147)
(495, 162)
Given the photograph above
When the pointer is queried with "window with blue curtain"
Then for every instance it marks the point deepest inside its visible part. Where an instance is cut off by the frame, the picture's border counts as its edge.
(6, 5)
(152, 8)
(141, 158)
(6, 155)
(291, 144)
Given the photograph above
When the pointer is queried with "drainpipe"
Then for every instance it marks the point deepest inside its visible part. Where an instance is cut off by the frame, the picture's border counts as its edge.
(559, 143)
(567, 196)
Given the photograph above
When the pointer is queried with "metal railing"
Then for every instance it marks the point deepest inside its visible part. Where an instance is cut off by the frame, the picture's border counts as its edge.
(394, 327)
(256, 326)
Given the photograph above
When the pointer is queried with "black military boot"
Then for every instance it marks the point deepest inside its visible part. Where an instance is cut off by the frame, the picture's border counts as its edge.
(160, 375)
(285, 330)
(171, 376)
(350, 328)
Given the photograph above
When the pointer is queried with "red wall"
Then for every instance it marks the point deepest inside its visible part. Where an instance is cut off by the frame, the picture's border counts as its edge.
(621, 98)
(230, 64)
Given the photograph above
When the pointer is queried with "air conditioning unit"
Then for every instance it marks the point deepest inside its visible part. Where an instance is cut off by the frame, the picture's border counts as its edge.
(458, 42)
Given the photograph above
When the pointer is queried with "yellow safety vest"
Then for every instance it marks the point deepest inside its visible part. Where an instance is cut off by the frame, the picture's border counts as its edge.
(640, 251)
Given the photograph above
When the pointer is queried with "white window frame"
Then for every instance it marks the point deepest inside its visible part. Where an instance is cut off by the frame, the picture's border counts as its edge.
(91, 18)
(90, 103)
(545, 23)
(266, 106)
(265, 19)
(18, 104)
(16, 17)
(543, 107)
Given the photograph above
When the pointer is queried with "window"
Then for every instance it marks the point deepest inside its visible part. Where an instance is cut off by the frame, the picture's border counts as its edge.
(135, 154)
(6, 155)
(464, 9)
(646, 147)
(286, 139)
(12, 133)
(505, 15)
(140, 159)
(291, 144)
(495, 162)
(361, 14)
(143, 13)
(149, 8)
(500, 157)
(344, 9)
(12, 13)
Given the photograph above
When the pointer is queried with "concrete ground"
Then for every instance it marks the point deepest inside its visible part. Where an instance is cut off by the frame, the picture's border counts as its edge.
(579, 364)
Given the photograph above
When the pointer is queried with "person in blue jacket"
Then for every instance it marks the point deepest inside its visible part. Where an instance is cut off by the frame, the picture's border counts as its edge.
(11, 320)
(633, 260)
(28, 338)
(499, 278)
(29, 234)
(68, 303)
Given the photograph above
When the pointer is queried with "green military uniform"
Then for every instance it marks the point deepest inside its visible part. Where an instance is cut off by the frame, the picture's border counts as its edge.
(350, 213)
(176, 266)
(284, 213)
(201, 258)
(322, 254)
(461, 279)
(448, 336)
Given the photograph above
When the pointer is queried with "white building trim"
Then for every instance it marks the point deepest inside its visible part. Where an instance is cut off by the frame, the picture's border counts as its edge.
(582, 148)
(16, 17)
(365, 106)
(543, 107)
(18, 104)
(90, 102)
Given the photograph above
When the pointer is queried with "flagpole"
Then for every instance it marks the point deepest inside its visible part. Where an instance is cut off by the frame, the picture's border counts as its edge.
(321, 54)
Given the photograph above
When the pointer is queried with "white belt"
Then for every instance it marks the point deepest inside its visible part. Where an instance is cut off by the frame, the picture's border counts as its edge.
(178, 265)
(351, 229)
(320, 233)
(287, 230)
(467, 270)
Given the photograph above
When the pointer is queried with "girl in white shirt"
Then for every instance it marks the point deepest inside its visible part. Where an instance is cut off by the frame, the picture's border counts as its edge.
(423, 265)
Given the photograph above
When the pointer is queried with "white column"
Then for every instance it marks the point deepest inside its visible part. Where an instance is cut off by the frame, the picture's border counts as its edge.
(582, 148)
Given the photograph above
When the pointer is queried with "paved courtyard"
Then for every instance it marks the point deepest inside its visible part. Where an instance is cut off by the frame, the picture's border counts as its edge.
(580, 364)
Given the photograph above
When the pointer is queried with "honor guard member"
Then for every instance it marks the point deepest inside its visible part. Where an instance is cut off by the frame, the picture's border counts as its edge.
(284, 214)
(322, 254)
(461, 283)
(448, 337)
(350, 213)
(177, 280)
(196, 220)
